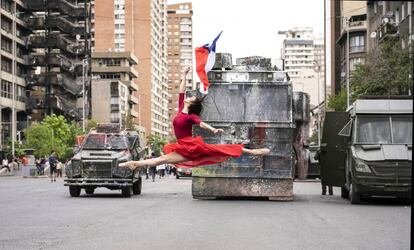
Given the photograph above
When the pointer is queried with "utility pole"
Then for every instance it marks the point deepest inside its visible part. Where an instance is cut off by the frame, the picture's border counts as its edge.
(347, 62)
(84, 63)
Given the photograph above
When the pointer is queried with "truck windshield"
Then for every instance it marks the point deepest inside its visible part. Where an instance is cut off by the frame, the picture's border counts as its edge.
(377, 130)
(105, 141)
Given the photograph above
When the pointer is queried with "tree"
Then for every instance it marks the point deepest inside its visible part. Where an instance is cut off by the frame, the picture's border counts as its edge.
(338, 102)
(156, 143)
(386, 71)
(53, 133)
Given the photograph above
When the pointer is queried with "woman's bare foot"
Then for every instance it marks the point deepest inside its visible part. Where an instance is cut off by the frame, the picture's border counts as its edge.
(260, 151)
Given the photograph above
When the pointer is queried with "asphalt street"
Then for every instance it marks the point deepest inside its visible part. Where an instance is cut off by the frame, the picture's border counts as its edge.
(38, 214)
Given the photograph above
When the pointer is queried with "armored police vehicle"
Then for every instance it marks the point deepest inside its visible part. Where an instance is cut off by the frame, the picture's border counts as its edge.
(96, 162)
(367, 151)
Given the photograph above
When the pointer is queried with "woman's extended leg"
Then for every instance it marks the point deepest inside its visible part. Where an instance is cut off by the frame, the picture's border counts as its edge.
(257, 151)
(171, 158)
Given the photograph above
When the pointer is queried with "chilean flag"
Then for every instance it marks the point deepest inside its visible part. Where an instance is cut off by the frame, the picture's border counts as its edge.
(205, 59)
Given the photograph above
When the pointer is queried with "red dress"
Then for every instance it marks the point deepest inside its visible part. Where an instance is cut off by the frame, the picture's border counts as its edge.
(195, 149)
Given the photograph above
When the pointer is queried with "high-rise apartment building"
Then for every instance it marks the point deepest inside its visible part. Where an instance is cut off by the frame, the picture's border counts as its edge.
(139, 27)
(180, 51)
(13, 117)
(302, 56)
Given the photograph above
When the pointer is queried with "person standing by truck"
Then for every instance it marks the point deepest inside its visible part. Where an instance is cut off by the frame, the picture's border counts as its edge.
(316, 157)
(53, 163)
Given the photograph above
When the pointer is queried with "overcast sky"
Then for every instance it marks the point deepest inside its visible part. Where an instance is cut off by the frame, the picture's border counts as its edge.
(250, 26)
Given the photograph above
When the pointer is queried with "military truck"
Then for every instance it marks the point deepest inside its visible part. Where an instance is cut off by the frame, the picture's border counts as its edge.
(367, 151)
(95, 163)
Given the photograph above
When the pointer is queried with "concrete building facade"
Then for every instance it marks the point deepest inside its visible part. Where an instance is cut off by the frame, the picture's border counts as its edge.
(302, 56)
(13, 68)
(113, 86)
(389, 19)
(139, 27)
(180, 52)
(347, 18)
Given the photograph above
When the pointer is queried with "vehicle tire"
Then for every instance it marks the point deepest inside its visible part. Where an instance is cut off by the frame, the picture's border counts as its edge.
(137, 186)
(89, 190)
(126, 191)
(354, 197)
(177, 177)
(344, 193)
(74, 191)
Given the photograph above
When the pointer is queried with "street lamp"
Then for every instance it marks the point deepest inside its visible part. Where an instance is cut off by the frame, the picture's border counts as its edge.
(84, 64)
(347, 62)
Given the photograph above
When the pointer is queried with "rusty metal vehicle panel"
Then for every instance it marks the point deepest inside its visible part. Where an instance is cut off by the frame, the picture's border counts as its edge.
(254, 106)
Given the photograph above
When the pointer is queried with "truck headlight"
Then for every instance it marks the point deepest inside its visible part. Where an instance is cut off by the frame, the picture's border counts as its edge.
(360, 166)
(76, 167)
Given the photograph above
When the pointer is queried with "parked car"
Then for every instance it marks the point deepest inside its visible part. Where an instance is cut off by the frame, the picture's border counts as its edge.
(183, 172)
(96, 162)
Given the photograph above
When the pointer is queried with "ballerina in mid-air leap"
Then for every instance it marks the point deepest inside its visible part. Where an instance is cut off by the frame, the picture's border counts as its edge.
(191, 151)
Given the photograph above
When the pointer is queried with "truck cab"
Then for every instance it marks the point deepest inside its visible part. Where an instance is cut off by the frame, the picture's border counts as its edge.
(367, 151)
(96, 161)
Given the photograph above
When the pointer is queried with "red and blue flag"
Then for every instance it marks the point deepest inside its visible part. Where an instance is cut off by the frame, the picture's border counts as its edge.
(205, 59)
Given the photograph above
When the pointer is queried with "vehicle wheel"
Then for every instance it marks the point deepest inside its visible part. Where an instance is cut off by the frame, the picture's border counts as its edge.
(177, 177)
(354, 197)
(74, 191)
(137, 186)
(89, 190)
(344, 193)
(126, 191)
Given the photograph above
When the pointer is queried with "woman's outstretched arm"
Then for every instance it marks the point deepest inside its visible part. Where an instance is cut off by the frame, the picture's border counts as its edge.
(208, 127)
(183, 80)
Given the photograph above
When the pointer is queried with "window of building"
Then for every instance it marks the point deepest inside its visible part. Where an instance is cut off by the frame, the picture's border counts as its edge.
(6, 44)
(353, 62)
(21, 70)
(7, 5)
(357, 44)
(6, 89)
(6, 64)
(6, 24)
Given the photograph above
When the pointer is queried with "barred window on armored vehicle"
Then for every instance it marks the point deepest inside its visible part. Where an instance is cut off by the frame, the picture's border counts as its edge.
(116, 141)
(402, 129)
(374, 130)
(95, 141)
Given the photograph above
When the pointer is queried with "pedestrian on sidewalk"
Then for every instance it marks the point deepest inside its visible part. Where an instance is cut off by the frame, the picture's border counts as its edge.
(161, 170)
(59, 167)
(192, 151)
(5, 164)
(52, 165)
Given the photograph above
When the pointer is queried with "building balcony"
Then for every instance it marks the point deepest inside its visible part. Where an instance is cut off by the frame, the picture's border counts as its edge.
(133, 113)
(132, 99)
(387, 30)
(131, 85)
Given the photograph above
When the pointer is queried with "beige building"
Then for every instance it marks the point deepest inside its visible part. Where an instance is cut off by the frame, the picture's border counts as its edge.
(302, 55)
(141, 28)
(348, 18)
(113, 79)
(13, 67)
(180, 52)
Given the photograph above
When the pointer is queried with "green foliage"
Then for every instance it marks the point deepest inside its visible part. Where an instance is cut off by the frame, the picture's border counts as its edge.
(338, 102)
(53, 133)
(91, 124)
(385, 72)
(156, 143)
